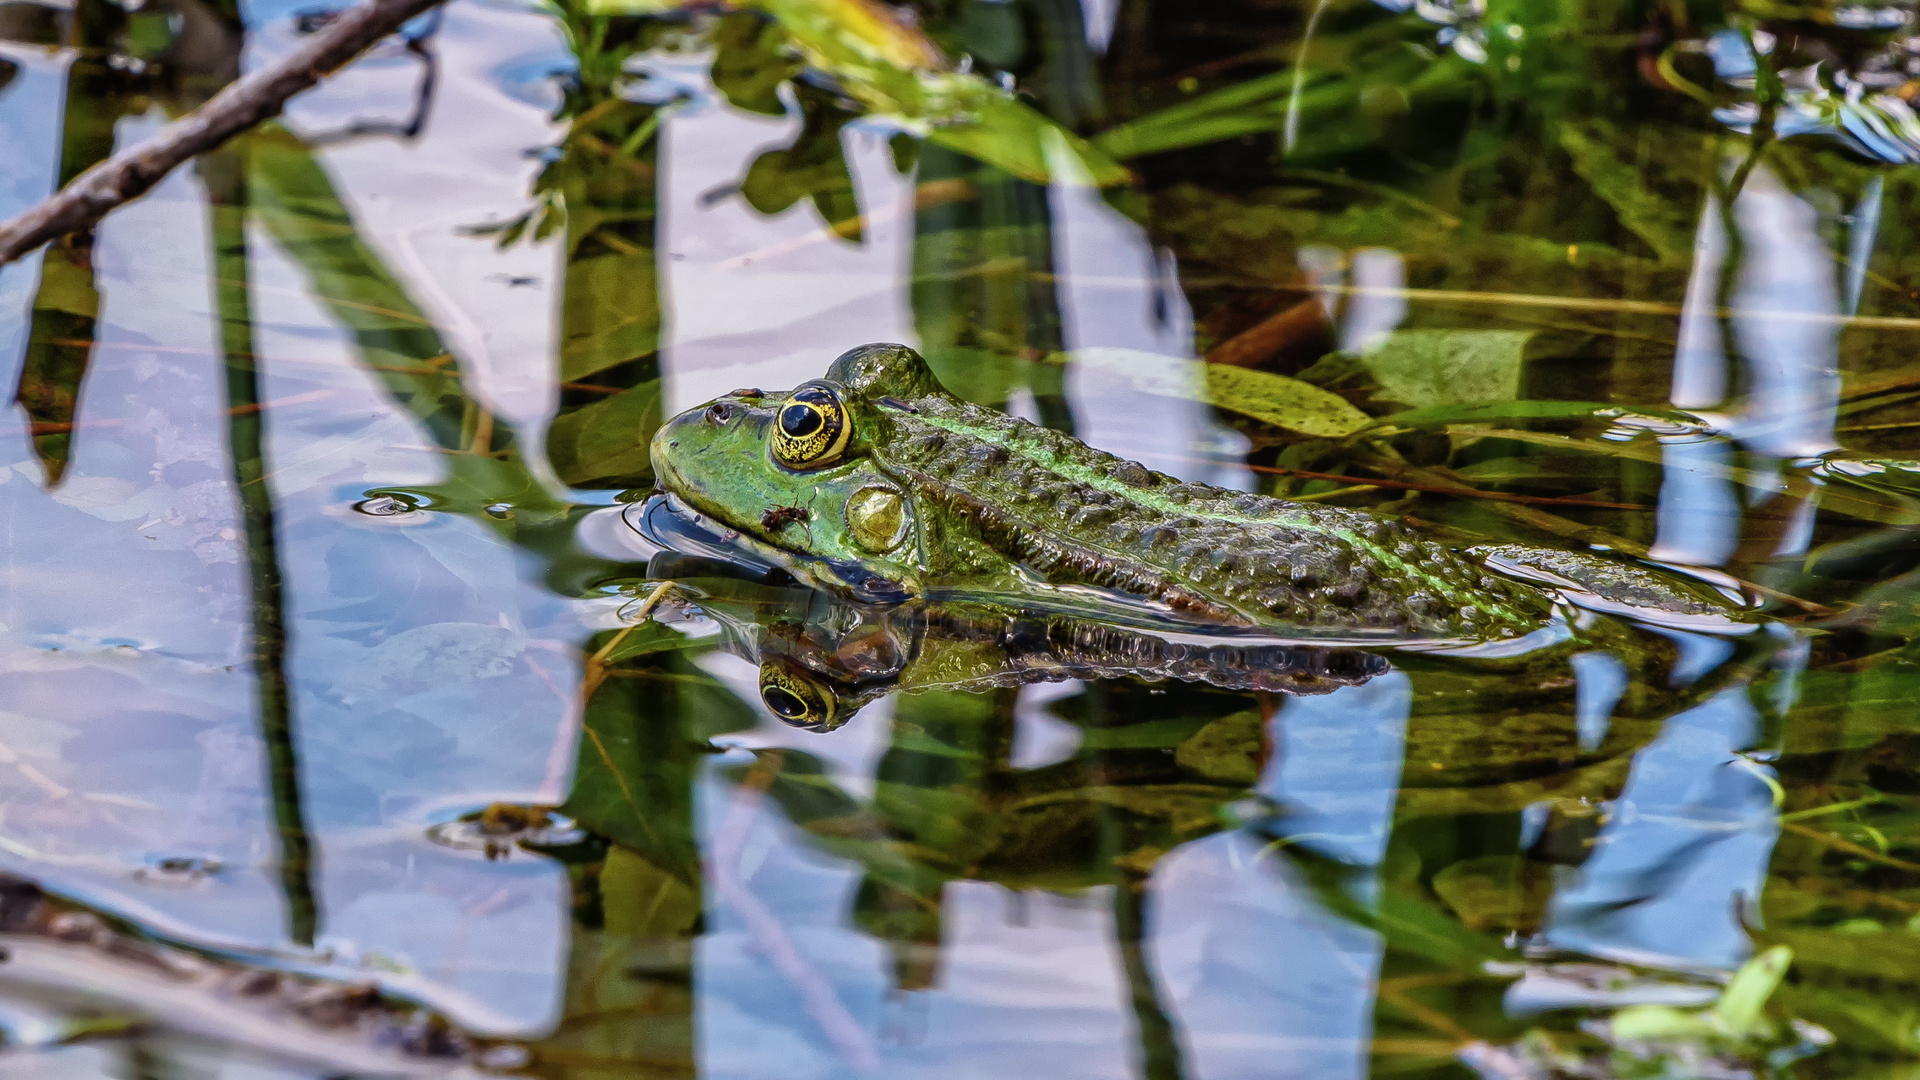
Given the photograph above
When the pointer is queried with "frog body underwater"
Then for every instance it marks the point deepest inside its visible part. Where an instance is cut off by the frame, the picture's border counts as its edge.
(877, 484)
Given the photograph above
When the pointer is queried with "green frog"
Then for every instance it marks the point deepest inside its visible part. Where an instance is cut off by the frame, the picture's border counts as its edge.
(878, 485)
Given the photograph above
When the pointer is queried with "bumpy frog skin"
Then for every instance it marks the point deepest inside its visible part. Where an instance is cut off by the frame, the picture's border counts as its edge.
(878, 485)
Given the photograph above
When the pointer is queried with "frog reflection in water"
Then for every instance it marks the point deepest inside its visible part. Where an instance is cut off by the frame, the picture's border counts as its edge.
(821, 660)
(1174, 734)
(877, 484)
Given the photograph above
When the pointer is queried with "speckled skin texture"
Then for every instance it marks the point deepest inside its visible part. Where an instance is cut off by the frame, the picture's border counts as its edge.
(1001, 505)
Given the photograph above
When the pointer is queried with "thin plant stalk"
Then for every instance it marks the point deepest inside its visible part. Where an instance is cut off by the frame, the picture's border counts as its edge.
(224, 173)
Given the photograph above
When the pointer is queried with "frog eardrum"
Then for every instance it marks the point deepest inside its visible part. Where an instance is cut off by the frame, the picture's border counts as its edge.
(810, 431)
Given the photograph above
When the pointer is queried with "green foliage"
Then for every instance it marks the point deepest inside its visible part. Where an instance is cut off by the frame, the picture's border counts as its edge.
(643, 743)
(611, 313)
(894, 72)
(752, 59)
(813, 167)
(1426, 368)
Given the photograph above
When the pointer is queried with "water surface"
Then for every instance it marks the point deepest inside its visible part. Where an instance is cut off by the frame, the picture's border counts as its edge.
(328, 646)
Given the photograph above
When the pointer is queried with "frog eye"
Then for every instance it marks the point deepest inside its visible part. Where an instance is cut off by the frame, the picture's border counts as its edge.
(796, 699)
(811, 429)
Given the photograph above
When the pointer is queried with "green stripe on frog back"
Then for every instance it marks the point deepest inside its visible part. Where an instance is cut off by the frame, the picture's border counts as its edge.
(1092, 472)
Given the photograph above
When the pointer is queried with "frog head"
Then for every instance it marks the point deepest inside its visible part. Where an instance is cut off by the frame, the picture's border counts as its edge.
(794, 474)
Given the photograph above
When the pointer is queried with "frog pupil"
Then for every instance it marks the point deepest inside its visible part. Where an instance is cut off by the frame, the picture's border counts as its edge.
(800, 421)
(784, 702)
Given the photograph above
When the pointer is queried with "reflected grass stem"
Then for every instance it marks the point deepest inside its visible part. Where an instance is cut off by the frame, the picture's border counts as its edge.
(224, 174)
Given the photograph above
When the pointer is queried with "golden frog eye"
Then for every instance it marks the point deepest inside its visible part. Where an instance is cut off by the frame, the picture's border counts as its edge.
(796, 699)
(811, 429)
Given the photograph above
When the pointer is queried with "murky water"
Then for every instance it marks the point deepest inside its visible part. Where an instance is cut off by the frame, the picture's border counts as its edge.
(348, 728)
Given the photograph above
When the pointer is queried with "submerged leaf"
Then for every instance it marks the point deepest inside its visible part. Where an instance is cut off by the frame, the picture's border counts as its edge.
(1274, 399)
(1228, 750)
(614, 301)
(1283, 402)
(1425, 368)
(752, 58)
(1740, 1005)
(1666, 223)
(606, 440)
(813, 167)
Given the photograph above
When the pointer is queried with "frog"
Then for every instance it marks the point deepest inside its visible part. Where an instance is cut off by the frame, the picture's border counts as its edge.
(877, 484)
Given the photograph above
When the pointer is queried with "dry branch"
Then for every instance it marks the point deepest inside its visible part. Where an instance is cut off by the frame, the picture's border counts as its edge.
(247, 101)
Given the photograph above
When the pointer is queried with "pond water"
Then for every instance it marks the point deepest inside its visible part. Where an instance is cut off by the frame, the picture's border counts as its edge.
(342, 648)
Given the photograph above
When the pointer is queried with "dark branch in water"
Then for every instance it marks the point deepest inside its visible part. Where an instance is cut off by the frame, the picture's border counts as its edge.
(254, 98)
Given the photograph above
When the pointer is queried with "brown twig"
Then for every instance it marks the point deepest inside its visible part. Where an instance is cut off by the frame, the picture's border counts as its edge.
(1289, 326)
(244, 103)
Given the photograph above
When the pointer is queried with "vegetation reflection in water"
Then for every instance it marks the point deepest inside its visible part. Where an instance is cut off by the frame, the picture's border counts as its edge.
(1634, 278)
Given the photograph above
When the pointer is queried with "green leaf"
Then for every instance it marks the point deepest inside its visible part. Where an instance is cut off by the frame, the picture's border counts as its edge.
(1424, 368)
(606, 440)
(753, 57)
(649, 638)
(1329, 110)
(1741, 1003)
(616, 296)
(1008, 134)
(1272, 399)
(813, 167)
(641, 900)
(1496, 892)
(1664, 221)
(1227, 751)
(892, 69)
(1283, 402)
(642, 745)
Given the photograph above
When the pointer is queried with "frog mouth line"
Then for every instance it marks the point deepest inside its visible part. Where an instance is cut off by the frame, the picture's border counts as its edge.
(862, 585)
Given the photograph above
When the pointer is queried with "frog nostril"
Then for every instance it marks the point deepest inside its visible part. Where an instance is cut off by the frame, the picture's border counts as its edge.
(719, 413)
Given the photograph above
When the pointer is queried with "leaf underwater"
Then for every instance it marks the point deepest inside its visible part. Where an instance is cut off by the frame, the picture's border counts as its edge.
(1272, 399)
(1449, 367)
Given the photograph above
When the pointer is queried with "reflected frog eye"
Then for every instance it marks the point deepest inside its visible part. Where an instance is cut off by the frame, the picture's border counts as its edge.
(810, 431)
(796, 699)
